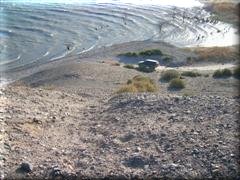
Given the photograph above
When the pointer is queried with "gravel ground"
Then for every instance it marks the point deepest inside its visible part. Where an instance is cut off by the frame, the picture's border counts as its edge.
(59, 134)
(68, 122)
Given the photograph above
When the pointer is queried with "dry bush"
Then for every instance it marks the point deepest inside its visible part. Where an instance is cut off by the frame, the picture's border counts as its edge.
(139, 84)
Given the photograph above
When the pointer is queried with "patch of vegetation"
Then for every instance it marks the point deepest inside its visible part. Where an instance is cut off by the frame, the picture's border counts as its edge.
(225, 73)
(176, 84)
(151, 52)
(169, 75)
(129, 66)
(214, 54)
(236, 72)
(191, 74)
(139, 84)
(130, 54)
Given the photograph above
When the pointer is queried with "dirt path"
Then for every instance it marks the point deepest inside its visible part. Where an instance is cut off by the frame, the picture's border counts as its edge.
(199, 68)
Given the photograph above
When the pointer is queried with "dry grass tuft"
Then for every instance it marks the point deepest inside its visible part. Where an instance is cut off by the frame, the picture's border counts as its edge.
(139, 84)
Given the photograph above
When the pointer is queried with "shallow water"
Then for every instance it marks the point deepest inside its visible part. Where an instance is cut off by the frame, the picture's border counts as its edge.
(38, 33)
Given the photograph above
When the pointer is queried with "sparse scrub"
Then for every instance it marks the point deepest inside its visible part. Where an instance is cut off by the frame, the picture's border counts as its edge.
(169, 75)
(129, 54)
(176, 84)
(225, 73)
(190, 74)
(151, 52)
(214, 54)
(236, 72)
(127, 88)
(129, 66)
(139, 84)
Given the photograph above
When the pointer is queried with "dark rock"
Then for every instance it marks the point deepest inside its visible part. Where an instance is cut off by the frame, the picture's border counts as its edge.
(195, 152)
(56, 172)
(35, 120)
(127, 137)
(136, 161)
(25, 168)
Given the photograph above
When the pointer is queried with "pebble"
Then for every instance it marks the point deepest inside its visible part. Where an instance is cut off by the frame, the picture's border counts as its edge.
(56, 171)
(138, 149)
(195, 152)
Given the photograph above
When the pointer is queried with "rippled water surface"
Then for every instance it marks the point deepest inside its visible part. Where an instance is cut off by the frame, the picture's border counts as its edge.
(38, 33)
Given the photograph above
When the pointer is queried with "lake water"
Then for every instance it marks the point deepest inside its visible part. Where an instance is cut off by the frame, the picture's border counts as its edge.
(35, 33)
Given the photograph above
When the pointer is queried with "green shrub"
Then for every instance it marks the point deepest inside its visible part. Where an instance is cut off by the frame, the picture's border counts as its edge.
(139, 84)
(225, 73)
(151, 52)
(176, 84)
(127, 88)
(129, 66)
(129, 54)
(191, 74)
(236, 72)
(169, 75)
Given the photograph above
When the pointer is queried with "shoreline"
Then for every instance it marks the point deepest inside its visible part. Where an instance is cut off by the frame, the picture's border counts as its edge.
(111, 52)
(194, 32)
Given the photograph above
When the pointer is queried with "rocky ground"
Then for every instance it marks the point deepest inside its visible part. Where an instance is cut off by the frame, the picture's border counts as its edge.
(68, 122)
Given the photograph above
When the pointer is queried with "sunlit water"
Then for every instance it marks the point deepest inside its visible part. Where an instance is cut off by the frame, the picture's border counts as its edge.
(35, 33)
